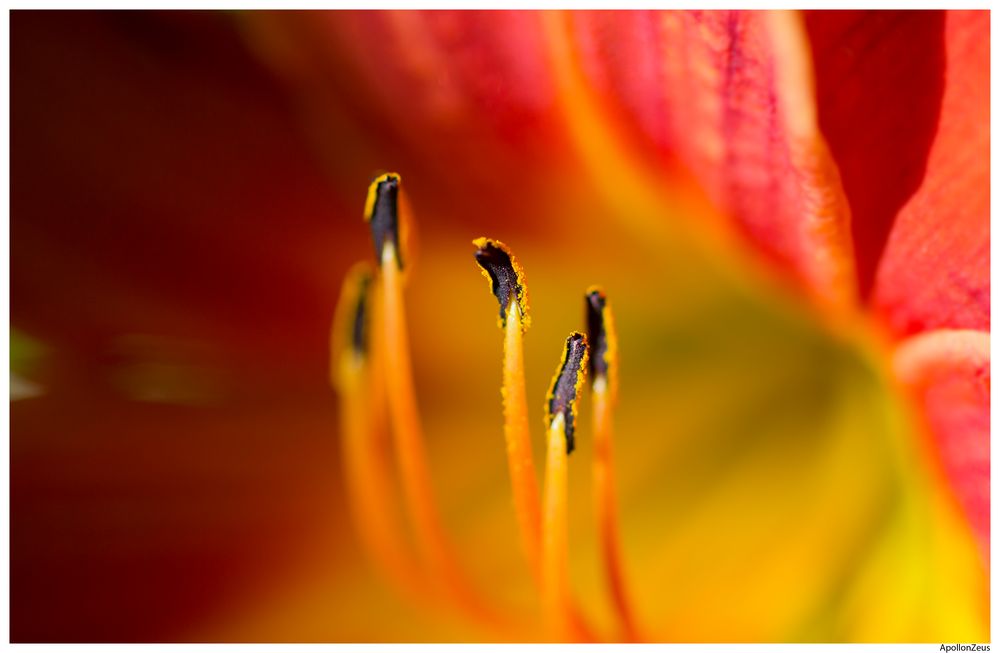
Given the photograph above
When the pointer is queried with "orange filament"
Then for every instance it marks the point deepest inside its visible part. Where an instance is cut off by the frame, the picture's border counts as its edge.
(368, 483)
(355, 375)
(557, 605)
(603, 340)
(432, 541)
(521, 463)
(518, 438)
(607, 508)
(545, 541)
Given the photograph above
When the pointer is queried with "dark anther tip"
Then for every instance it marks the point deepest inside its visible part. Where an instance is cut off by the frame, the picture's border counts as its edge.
(505, 276)
(361, 317)
(350, 333)
(382, 215)
(566, 384)
(597, 334)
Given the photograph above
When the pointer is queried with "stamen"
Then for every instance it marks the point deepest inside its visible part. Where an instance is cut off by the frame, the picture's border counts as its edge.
(432, 541)
(506, 284)
(382, 211)
(557, 603)
(604, 384)
(355, 374)
(506, 279)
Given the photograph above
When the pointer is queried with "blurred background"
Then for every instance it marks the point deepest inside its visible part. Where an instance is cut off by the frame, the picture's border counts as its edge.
(186, 195)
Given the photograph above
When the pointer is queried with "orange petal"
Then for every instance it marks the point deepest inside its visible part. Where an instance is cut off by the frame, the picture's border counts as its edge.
(730, 95)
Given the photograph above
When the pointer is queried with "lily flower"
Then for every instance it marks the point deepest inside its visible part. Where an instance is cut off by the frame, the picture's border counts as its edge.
(788, 214)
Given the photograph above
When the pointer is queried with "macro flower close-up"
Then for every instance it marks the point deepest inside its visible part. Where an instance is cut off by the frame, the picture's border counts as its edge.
(500, 326)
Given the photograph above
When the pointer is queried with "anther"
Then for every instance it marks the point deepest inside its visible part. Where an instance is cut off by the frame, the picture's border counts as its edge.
(566, 385)
(603, 342)
(596, 334)
(382, 214)
(360, 325)
(350, 336)
(506, 278)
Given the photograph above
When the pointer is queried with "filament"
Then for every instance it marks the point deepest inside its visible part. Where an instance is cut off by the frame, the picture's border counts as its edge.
(355, 372)
(604, 385)
(607, 511)
(418, 491)
(522, 466)
(556, 604)
(517, 435)
(506, 278)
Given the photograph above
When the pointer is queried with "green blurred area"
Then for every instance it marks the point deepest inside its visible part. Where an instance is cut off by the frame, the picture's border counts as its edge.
(25, 352)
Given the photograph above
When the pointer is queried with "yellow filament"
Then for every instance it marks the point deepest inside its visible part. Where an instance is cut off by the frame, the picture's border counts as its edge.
(607, 508)
(557, 605)
(518, 438)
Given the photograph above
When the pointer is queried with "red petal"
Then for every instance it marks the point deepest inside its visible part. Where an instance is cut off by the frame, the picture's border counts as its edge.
(935, 270)
(176, 199)
(904, 104)
(879, 80)
(460, 103)
(730, 94)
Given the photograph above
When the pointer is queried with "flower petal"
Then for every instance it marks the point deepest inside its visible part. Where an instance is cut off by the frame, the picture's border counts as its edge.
(935, 269)
(180, 199)
(793, 551)
(904, 103)
(729, 94)
(460, 103)
(177, 256)
(948, 373)
(879, 79)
